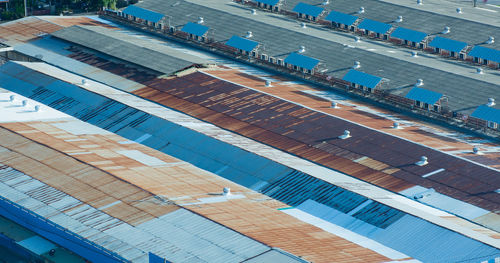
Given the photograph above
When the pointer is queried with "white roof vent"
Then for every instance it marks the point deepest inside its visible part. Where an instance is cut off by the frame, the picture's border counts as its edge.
(303, 25)
(479, 71)
(347, 134)
(249, 34)
(268, 83)
(399, 19)
(420, 82)
(420, 2)
(414, 54)
(446, 30)
(200, 20)
(254, 12)
(475, 150)
(302, 49)
(24, 103)
(490, 40)
(357, 64)
(357, 39)
(396, 126)
(423, 161)
(491, 102)
(424, 194)
(226, 191)
(335, 105)
(84, 82)
(37, 108)
(459, 10)
(361, 10)
(325, 2)
(12, 98)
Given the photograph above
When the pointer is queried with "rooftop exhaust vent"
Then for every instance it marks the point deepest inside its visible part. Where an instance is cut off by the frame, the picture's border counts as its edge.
(491, 102)
(226, 191)
(357, 64)
(302, 49)
(268, 83)
(361, 10)
(396, 126)
(459, 10)
(414, 54)
(399, 19)
(326, 2)
(357, 39)
(254, 12)
(24, 103)
(420, 2)
(303, 25)
(347, 134)
(249, 34)
(12, 98)
(420, 82)
(424, 194)
(446, 30)
(479, 71)
(490, 40)
(201, 20)
(475, 150)
(423, 161)
(335, 105)
(37, 108)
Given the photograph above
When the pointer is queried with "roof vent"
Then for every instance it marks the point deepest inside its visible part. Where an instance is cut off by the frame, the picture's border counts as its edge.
(357, 39)
(347, 134)
(302, 49)
(396, 126)
(357, 64)
(497, 191)
(24, 103)
(226, 191)
(84, 82)
(490, 40)
(325, 2)
(268, 83)
(420, 2)
(422, 162)
(249, 34)
(254, 12)
(12, 98)
(459, 10)
(446, 30)
(475, 150)
(420, 82)
(479, 71)
(491, 102)
(303, 25)
(399, 19)
(335, 105)
(424, 194)
(414, 54)
(37, 108)
(361, 10)
(200, 20)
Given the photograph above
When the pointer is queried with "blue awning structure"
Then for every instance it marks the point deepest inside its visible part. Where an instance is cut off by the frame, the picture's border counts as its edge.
(448, 44)
(301, 61)
(195, 29)
(242, 43)
(486, 113)
(143, 14)
(341, 18)
(269, 2)
(362, 78)
(374, 26)
(408, 34)
(424, 95)
(485, 53)
(306, 9)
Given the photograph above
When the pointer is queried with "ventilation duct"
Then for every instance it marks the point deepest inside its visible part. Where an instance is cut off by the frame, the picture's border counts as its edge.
(420, 82)
(302, 49)
(491, 102)
(490, 40)
(361, 10)
(446, 30)
(423, 161)
(200, 20)
(347, 134)
(357, 64)
(459, 10)
(249, 34)
(399, 19)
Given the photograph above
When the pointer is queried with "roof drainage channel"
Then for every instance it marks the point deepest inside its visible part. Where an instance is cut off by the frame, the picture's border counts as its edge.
(243, 167)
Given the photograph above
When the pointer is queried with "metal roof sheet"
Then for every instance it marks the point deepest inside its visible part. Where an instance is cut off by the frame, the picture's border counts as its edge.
(448, 44)
(486, 113)
(301, 61)
(341, 18)
(374, 26)
(485, 53)
(242, 43)
(269, 2)
(195, 29)
(303, 8)
(424, 95)
(362, 78)
(144, 14)
(408, 34)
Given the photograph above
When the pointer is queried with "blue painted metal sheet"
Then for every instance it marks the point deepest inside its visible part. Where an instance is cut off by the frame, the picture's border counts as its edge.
(374, 26)
(485, 53)
(195, 29)
(301, 61)
(269, 2)
(486, 113)
(424, 95)
(408, 34)
(307, 9)
(362, 78)
(242, 43)
(341, 18)
(143, 14)
(448, 44)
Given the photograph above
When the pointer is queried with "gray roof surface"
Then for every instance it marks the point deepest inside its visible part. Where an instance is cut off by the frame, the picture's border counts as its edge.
(133, 53)
(465, 94)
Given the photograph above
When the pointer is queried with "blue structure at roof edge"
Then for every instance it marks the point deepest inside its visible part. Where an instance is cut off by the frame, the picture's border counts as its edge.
(195, 29)
(242, 43)
(361, 78)
(375, 26)
(307, 9)
(448, 44)
(485, 53)
(486, 113)
(269, 2)
(341, 18)
(143, 14)
(408, 34)
(424, 95)
(301, 61)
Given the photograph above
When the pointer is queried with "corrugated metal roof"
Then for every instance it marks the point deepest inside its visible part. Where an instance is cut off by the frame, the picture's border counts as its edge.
(242, 43)
(269, 2)
(341, 18)
(408, 34)
(424, 95)
(362, 78)
(448, 44)
(195, 29)
(301, 61)
(303, 8)
(144, 14)
(486, 113)
(374, 26)
(485, 53)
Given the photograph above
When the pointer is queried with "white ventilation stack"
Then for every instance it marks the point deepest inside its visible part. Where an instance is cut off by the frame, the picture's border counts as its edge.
(399, 19)
(201, 20)
(361, 10)
(37, 108)
(357, 39)
(226, 191)
(84, 82)
(347, 134)
(420, 82)
(326, 2)
(491, 102)
(424, 194)
(446, 30)
(249, 34)
(475, 150)
(357, 64)
(12, 98)
(479, 71)
(414, 54)
(420, 2)
(459, 10)
(303, 25)
(268, 83)
(335, 105)
(423, 161)
(396, 126)
(24, 103)
(490, 40)
(254, 12)
(302, 49)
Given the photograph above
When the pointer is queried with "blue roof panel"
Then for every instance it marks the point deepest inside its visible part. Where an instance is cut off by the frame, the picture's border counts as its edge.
(408, 34)
(195, 29)
(311, 10)
(375, 26)
(485, 53)
(362, 78)
(486, 113)
(301, 61)
(242, 43)
(423, 95)
(448, 44)
(269, 2)
(342, 18)
(143, 13)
